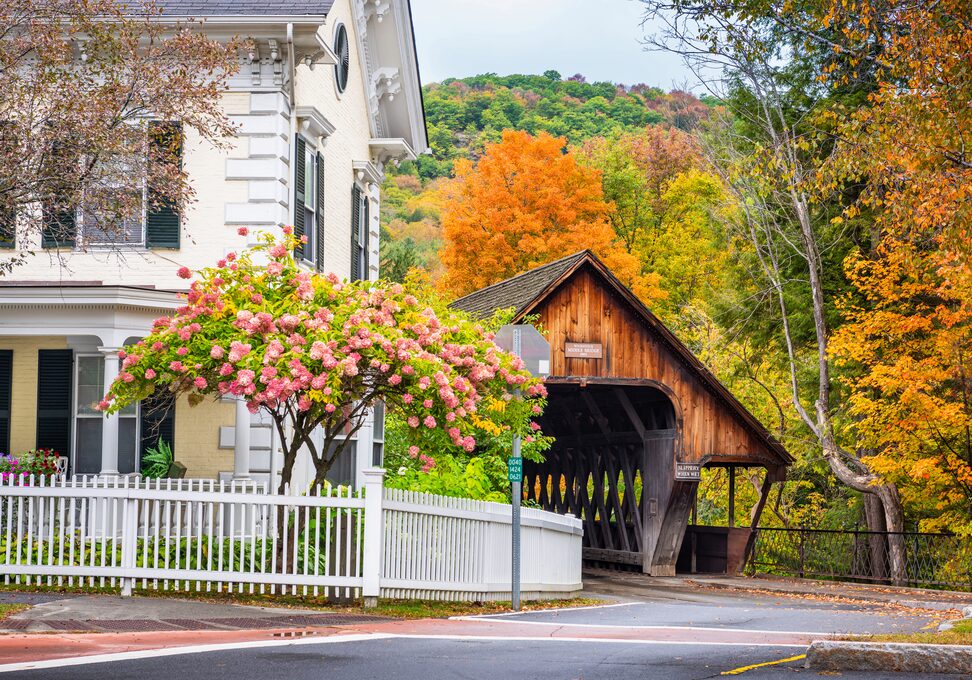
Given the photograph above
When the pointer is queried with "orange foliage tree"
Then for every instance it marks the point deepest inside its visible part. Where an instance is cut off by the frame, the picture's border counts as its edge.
(908, 345)
(524, 203)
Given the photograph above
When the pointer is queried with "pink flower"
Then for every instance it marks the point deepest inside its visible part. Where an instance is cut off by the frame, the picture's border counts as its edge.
(274, 268)
(278, 250)
(394, 379)
(176, 366)
(534, 426)
(429, 422)
(182, 351)
(225, 369)
(149, 374)
(427, 403)
(413, 451)
(245, 377)
(200, 382)
(243, 231)
(238, 350)
(413, 421)
(184, 273)
(256, 298)
(127, 377)
(288, 230)
(157, 346)
(330, 408)
(217, 352)
(103, 405)
(408, 398)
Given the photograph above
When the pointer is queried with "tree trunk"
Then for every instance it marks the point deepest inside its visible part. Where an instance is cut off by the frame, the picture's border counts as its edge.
(876, 542)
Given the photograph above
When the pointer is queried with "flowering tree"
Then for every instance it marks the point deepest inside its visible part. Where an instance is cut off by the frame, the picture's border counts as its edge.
(313, 351)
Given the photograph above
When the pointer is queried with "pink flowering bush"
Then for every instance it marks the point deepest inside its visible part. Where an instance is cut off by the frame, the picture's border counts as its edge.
(314, 351)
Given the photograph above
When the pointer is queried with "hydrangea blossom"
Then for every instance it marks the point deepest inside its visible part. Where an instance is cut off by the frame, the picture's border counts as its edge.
(313, 350)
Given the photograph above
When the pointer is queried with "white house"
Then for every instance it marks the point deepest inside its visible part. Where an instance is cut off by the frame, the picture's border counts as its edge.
(329, 96)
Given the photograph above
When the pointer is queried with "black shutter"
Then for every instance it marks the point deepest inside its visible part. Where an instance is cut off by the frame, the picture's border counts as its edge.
(300, 188)
(319, 241)
(6, 384)
(54, 368)
(355, 232)
(8, 226)
(162, 224)
(157, 415)
(366, 239)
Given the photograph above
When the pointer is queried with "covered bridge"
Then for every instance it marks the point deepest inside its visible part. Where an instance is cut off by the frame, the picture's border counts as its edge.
(635, 416)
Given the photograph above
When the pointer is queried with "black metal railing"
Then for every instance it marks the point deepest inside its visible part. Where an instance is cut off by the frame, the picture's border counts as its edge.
(933, 560)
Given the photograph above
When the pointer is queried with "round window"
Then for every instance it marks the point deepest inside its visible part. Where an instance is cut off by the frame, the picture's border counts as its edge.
(343, 52)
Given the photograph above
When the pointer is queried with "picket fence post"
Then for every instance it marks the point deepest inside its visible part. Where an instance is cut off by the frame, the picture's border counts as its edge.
(373, 535)
(129, 540)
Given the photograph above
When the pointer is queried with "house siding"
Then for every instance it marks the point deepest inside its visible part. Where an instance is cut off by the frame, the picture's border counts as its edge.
(23, 401)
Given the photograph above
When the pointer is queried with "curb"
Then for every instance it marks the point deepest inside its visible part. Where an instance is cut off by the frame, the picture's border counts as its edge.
(891, 657)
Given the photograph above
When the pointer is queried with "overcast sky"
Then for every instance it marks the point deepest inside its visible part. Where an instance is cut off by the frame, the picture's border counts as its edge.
(598, 38)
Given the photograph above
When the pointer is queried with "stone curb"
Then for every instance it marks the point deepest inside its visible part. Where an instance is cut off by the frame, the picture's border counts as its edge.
(890, 657)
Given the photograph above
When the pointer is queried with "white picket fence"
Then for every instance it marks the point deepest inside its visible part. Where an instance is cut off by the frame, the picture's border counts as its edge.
(203, 535)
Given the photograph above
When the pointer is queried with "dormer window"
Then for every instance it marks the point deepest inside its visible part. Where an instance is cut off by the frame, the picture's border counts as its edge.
(343, 52)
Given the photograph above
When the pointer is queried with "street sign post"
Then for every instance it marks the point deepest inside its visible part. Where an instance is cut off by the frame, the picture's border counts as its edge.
(526, 342)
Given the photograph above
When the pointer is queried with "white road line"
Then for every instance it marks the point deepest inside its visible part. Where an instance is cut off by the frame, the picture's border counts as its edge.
(558, 609)
(560, 624)
(357, 637)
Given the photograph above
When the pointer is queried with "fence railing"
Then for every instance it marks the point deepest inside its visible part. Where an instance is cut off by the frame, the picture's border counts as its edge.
(176, 535)
(936, 560)
(438, 547)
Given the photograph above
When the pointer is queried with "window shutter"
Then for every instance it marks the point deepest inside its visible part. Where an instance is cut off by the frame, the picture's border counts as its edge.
(355, 232)
(8, 227)
(162, 223)
(6, 385)
(300, 187)
(157, 414)
(366, 239)
(54, 367)
(319, 241)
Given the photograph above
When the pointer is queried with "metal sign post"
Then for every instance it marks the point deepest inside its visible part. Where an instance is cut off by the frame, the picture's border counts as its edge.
(527, 343)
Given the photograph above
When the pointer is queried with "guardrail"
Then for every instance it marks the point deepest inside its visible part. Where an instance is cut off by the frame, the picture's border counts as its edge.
(181, 535)
(935, 560)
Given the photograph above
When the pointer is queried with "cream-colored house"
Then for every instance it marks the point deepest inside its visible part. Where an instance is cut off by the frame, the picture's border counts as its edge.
(328, 97)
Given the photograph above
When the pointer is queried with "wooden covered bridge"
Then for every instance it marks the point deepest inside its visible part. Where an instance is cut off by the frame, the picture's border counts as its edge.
(632, 409)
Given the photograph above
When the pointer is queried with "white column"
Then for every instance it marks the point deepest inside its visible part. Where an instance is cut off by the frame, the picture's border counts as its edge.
(109, 424)
(241, 441)
(374, 531)
(363, 452)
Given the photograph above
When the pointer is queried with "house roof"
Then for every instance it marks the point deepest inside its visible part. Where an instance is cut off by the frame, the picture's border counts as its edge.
(204, 8)
(525, 292)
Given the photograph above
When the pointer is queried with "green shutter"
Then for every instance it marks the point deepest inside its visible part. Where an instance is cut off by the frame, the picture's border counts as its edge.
(355, 230)
(6, 385)
(300, 187)
(157, 414)
(54, 370)
(60, 227)
(319, 241)
(163, 226)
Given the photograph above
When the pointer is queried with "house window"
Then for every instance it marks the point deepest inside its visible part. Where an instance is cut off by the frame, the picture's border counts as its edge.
(343, 51)
(309, 203)
(88, 421)
(378, 434)
(360, 218)
(123, 213)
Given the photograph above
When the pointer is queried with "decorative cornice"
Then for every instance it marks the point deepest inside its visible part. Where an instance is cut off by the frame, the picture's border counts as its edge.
(313, 122)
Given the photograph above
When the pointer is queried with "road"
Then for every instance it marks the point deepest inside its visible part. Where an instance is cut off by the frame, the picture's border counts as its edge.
(665, 633)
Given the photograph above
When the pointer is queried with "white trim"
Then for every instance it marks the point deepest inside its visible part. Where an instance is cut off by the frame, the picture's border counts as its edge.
(317, 124)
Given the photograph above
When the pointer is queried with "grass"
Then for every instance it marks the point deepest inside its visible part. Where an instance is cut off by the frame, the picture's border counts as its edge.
(11, 609)
(399, 609)
(960, 634)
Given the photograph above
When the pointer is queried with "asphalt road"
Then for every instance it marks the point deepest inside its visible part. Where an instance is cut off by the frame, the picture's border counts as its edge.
(670, 634)
(425, 659)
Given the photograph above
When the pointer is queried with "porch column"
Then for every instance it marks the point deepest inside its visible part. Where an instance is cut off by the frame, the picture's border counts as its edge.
(109, 424)
(241, 441)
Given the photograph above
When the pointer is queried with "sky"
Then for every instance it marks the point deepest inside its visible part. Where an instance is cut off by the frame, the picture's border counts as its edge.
(600, 39)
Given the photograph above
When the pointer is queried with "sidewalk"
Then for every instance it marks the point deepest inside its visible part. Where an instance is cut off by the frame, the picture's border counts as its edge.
(112, 613)
(598, 582)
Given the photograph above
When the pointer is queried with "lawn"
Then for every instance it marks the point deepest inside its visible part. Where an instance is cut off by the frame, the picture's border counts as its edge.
(11, 609)
(960, 634)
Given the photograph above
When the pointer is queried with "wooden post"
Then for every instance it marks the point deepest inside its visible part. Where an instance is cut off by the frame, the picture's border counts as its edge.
(373, 536)
(764, 493)
(732, 496)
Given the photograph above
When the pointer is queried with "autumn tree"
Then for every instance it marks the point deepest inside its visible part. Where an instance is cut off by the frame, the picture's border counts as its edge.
(81, 79)
(908, 342)
(524, 203)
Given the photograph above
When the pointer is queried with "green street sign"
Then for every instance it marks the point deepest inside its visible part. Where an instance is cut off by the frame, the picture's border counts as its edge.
(514, 469)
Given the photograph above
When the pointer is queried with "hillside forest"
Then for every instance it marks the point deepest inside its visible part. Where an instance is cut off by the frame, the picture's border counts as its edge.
(803, 226)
